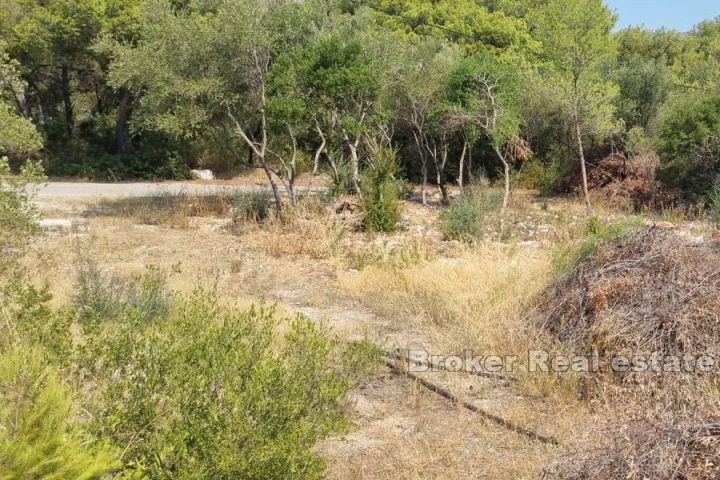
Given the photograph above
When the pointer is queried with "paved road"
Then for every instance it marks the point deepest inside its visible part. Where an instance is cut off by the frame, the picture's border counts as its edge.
(145, 189)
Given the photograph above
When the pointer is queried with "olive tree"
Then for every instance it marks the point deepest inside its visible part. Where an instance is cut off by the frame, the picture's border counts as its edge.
(483, 95)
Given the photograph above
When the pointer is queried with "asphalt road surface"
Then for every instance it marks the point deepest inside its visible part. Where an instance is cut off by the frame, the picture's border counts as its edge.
(144, 189)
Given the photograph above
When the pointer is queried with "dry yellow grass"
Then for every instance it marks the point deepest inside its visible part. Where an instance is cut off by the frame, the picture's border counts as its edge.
(475, 300)
(449, 296)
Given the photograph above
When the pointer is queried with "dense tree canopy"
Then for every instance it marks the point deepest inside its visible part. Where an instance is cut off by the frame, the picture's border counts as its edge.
(150, 88)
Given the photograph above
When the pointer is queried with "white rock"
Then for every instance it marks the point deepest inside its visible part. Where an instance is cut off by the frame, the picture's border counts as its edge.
(202, 174)
(530, 244)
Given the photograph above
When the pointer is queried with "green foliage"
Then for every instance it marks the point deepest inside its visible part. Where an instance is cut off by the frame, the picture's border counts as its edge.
(40, 436)
(18, 215)
(251, 206)
(101, 298)
(540, 175)
(576, 40)
(714, 198)
(215, 392)
(598, 232)
(17, 135)
(484, 96)
(469, 215)
(644, 87)
(467, 22)
(381, 193)
(687, 145)
(33, 322)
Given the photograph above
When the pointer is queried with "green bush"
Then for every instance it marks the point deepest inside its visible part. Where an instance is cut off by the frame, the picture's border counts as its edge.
(215, 393)
(253, 206)
(688, 144)
(381, 193)
(40, 438)
(539, 175)
(101, 297)
(598, 233)
(714, 201)
(466, 218)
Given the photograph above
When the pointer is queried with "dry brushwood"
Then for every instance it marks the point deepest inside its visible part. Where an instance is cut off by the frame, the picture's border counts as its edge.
(656, 291)
(624, 182)
(688, 450)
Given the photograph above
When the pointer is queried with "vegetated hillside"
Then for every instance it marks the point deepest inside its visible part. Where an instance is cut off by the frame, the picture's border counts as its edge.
(653, 298)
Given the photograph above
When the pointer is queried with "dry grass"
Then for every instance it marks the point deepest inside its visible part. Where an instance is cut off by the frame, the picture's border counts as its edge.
(476, 300)
(405, 432)
(309, 229)
(446, 296)
(171, 210)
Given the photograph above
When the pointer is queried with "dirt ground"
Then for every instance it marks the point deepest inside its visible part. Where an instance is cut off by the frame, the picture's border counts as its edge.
(400, 429)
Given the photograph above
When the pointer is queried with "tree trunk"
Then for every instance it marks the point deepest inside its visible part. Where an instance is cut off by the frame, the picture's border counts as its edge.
(506, 173)
(462, 165)
(274, 186)
(440, 174)
(423, 166)
(318, 153)
(122, 123)
(583, 169)
(355, 164)
(67, 100)
(470, 176)
(581, 150)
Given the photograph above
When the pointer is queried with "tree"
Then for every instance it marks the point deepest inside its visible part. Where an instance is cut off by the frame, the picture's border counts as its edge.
(333, 86)
(464, 22)
(52, 40)
(644, 87)
(576, 41)
(39, 436)
(423, 78)
(210, 64)
(483, 95)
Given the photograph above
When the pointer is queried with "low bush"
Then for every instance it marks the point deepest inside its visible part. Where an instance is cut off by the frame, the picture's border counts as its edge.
(381, 193)
(254, 206)
(214, 392)
(540, 175)
(101, 297)
(466, 218)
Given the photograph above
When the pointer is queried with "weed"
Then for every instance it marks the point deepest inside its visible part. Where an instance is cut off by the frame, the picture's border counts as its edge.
(466, 218)
(381, 193)
(598, 233)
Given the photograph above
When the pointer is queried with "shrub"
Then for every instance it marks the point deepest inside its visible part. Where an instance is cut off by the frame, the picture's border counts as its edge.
(253, 206)
(39, 438)
(714, 200)
(688, 144)
(381, 193)
(216, 393)
(18, 215)
(102, 297)
(540, 175)
(465, 219)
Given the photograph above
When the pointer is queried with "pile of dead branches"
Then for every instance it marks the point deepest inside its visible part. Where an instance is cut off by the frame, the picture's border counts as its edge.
(656, 292)
(685, 450)
(623, 182)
